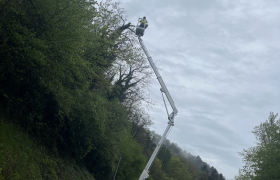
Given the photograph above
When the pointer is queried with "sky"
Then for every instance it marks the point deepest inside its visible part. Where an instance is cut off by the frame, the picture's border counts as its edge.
(220, 62)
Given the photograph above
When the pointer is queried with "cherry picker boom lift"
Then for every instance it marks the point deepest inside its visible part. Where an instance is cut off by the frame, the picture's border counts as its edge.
(171, 116)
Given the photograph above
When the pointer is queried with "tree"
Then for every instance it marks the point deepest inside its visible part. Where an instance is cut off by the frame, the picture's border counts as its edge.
(214, 175)
(156, 171)
(263, 160)
(56, 54)
(221, 177)
(129, 77)
(181, 169)
(164, 155)
(205, 169)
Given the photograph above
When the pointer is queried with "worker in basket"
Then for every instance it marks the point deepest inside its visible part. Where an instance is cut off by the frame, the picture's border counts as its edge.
(144, 22)
(141, 26)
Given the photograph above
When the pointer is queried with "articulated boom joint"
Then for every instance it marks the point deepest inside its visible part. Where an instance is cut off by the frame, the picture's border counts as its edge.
(171, 118)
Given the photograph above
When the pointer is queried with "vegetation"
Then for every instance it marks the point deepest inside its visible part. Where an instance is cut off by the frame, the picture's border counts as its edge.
(72, 79)
(22, 159)
(262, 161)
(178, 164)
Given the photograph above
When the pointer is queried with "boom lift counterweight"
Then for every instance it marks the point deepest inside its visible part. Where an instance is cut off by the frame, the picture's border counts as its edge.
(171, 116)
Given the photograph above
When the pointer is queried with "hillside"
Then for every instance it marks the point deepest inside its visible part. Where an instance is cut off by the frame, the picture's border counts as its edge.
(22, 158)
(207, 172)
(72, 85)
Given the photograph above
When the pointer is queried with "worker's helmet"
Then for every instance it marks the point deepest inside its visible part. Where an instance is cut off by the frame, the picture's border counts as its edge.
(144, 17)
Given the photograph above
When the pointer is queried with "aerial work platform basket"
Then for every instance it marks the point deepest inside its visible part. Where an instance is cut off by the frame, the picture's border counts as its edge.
(140, 27)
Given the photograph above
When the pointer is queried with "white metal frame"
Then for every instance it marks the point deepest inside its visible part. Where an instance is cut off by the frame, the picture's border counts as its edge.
(171, 116)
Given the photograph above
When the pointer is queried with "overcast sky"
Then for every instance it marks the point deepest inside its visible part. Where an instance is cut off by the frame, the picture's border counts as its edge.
(220, 61)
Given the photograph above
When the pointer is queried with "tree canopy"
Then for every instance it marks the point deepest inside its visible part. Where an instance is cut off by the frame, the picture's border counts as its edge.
(262, 161)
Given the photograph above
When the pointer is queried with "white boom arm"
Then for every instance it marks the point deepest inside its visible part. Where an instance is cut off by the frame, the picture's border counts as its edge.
(171, 116)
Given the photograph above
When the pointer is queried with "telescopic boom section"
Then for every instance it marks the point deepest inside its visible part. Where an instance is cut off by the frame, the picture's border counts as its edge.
(163, 87)
(145, 173)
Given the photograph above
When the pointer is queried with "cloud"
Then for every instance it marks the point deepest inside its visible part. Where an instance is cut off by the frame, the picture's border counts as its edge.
(220, 61)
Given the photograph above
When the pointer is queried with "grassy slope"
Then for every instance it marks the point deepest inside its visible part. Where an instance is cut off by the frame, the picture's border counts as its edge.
(22, 159)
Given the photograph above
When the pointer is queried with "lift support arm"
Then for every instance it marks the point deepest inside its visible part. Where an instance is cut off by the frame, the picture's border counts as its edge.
(171, 116)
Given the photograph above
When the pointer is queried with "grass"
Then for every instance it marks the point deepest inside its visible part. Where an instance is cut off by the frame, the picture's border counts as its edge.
(21, 158)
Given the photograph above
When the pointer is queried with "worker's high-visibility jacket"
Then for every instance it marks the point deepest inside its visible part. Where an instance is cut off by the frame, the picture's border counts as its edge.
(144, 22)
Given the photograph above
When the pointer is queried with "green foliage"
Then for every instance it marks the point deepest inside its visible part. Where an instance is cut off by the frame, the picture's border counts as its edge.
(21, 158)
(156, 171)
(58, 62)
(191, 164)
(181, 169)
(56, 53)
(262, 161)
(165, 156)
(132, 157)
(166, 167)
(214, 175)
(115, 140)
(204, 173)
